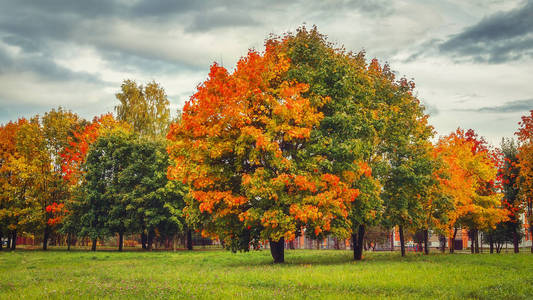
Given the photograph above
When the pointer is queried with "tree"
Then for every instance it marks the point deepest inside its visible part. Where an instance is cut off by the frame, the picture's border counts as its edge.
(155, 202)
(240, 148)
(407, 174)
(504, 232)
(466, 178)
(37, 161)
(410, 177)
(145, 108)
(436, 205)
(509, 175)
(80, 216)
(57, 127)
(525, 158)
(17, 176)
(484, 218)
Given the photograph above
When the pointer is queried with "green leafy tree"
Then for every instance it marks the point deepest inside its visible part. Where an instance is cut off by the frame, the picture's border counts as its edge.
(509, 175)
(409, 166)
(503, 233)
(156, 202)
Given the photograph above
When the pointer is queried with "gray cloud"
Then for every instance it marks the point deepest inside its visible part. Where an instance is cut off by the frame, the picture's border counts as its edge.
(508, 107)
(501, 37)
(220, 19)
(44, 66)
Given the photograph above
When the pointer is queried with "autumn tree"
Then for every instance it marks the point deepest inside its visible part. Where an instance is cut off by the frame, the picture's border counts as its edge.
(145, 108)
(525, 158)
(17, 178)
(466, 177)
(490, 213)
(36, 159)
(436, 204)
(240, 147)
(8, 222)
(58, 126)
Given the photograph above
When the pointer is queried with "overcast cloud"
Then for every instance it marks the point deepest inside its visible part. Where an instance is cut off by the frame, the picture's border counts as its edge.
(471, 60)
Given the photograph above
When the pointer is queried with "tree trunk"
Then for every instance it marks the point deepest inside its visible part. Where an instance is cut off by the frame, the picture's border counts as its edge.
(14, 240)
(277, 250)
(189, 239)
(471, 236)
(1, 243)
(476, 239)
(491, 244)
(143, 240)
(120, 240)
(426, 237)
(358, 240)
(68, 241)
(402, 241)
(531, 233)
(46, 235)
(515, 241)
(150, 240)
(452, 244)
(93, 247)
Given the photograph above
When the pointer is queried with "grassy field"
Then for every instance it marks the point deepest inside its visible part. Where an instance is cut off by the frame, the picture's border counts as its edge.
(306, 274)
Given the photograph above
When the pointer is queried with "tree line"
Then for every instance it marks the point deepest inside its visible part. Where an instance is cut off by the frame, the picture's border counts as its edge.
(304, 138)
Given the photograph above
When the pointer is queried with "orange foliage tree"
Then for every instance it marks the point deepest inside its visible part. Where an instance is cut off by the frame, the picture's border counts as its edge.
(240, 146)
(464, 178)
(17, 176)
(525, 158)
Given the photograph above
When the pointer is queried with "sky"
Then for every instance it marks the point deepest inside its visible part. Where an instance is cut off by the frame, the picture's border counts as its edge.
(472, 61)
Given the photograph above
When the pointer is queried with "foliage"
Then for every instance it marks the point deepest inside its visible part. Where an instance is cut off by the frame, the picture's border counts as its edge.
(503, 233)
(525, 158)
(126, 188)
(509, 175)
(240, 147)
(145, 108)
(463, 178)
(16, 179)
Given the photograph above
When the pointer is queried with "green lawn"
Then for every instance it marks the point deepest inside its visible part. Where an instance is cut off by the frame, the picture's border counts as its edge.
(219, 274)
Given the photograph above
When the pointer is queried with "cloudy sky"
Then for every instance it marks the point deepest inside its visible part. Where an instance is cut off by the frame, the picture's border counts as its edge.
(472, 60)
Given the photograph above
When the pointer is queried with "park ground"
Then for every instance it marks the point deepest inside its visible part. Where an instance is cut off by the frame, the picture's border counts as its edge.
(311, 274)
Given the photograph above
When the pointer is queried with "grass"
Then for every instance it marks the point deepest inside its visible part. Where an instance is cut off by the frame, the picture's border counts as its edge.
(308, 274)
